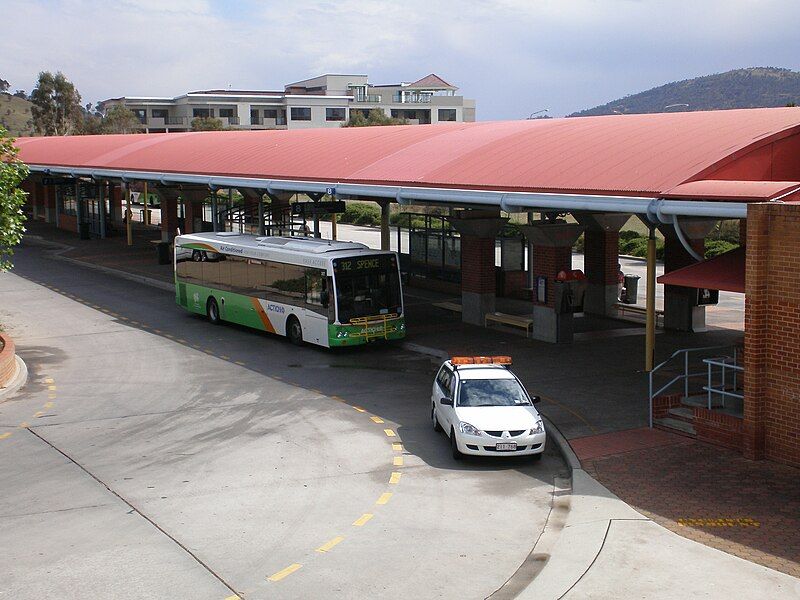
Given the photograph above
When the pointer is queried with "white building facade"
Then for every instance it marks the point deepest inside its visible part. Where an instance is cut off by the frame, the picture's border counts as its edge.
(324, 101)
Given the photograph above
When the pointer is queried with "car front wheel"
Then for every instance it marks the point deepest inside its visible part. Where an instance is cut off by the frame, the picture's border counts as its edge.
(454, 446)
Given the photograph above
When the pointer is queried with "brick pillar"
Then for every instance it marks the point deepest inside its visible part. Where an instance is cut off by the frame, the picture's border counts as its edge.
(115, 203)
(551, 253)
(756, 330)
(50, 203)
(478, 231)
(193, 209)
(169, 212)
(601, 264)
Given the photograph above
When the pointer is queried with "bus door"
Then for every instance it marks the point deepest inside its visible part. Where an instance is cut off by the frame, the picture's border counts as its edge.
(318, 299)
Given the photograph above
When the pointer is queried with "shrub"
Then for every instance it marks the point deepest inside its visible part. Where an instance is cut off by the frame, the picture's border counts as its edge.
(629, 234)
(361, 214)
(717, 247)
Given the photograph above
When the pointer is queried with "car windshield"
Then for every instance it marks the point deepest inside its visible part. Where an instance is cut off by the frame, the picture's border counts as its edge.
(492, 392)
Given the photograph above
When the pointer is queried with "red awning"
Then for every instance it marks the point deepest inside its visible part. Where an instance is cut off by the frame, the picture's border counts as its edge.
(724, 272)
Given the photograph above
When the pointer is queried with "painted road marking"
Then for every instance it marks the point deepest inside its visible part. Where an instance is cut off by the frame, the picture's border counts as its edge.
(398, 461)
(38, 414)
(384, 498)
(51, 388)
(389, 433)
(359, 409)
(136, 323)
(238, 362)
(395, 478)
(362, 520)
(222, 356)
(49, 380)
(157, 331)
(377, 419)
(397, 447)
(233, 598)
(51, 395)
(284, 572)
(172, 337)
(182, 341)
(5, 435)
(24, 424)
(49, 404)
(330, 544)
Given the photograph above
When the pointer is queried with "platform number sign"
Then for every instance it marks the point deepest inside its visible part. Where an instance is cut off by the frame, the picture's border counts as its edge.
(331, 191)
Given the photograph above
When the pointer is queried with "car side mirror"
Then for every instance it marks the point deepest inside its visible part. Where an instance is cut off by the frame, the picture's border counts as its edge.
(446, 401)
(536, 399)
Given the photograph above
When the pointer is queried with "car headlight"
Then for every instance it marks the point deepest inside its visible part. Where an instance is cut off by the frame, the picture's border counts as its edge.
(468, 429)
(539, 428)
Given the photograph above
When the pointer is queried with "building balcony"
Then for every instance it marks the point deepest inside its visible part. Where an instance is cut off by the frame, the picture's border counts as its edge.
(368, 98)
(412, 98)
(175, 121)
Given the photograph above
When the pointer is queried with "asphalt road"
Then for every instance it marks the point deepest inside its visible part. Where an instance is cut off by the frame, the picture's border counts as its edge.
(152, 454)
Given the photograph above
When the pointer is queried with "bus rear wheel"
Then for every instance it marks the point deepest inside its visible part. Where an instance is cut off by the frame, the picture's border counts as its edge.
(212, 311)
(294, 331)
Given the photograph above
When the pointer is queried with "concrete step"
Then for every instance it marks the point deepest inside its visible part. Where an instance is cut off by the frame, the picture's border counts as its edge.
(682, 413)
(675, 424)
(701, 401)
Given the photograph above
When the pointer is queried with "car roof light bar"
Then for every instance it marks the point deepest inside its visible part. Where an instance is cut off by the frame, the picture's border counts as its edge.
(480, 360)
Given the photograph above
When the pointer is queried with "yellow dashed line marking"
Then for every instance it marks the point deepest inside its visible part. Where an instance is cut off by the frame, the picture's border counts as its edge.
(49, 404)
(222, 356)
(377, 419)
(285, 572)
(135, 323)
(337, 398)
(5, 435)
(38, 414)
(95, 306)
(195, 345)
(397, 447)
(384, 498)
(49, 380)
(395, 478)
(182, 341)
(24, 424)
(51, 395)
(278, 377)
(330, 544)
(238, 362)
(359, 409)
(233, 598)
(113, 314)
(51, 388)
(362, 520)
(398, 461)
(157, 331)
(125, 318)
(172, 337)
(389, 433)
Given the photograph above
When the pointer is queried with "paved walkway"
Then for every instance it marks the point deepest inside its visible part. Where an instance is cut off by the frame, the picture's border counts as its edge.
(595, 391)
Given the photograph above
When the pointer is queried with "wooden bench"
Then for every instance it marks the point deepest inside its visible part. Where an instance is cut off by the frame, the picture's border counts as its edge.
(451, 306)
(520, 321)
(639, 310)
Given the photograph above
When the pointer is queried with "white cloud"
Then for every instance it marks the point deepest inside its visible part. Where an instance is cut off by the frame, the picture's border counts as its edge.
(513, 56)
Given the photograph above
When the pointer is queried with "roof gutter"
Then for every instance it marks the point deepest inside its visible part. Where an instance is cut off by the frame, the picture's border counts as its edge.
(657, 210)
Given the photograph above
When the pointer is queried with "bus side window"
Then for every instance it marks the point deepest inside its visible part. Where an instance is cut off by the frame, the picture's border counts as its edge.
(239, 268)
(316, 292)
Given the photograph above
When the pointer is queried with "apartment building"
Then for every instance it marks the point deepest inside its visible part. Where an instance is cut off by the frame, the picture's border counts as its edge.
(324, 101)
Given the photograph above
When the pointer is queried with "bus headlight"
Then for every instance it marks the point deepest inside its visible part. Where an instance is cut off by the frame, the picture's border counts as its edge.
(341, 334)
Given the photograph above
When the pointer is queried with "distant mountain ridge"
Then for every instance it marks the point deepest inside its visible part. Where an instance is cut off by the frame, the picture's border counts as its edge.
(755, 87)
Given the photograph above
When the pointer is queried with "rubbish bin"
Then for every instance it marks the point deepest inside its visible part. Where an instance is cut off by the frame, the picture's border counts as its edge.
(83, 231)
(631, 289)
(164, 257)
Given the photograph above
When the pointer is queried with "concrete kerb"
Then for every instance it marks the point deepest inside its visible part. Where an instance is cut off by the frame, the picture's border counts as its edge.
(59, 249)
(19, 379)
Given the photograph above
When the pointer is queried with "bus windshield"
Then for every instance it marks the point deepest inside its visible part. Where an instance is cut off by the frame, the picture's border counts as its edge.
(367, 286)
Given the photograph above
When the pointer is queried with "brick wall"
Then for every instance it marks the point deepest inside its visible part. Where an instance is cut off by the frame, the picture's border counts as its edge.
(601, 256)
(8, 364)
(771, 427)
(662, 404)
(477, 265)
(547, 262)
(718, 428)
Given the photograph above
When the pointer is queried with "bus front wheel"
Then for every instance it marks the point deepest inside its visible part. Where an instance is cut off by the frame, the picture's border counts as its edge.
(212, 310)
(294, 331)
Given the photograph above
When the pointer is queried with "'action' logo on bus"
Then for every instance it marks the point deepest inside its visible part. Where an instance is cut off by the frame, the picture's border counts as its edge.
(276, 308)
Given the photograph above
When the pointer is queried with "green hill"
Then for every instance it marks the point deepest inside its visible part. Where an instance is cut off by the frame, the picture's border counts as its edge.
(742, 88)
(15, 115)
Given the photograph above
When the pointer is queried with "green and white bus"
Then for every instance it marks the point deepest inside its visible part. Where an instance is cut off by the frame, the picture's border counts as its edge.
(311, 290)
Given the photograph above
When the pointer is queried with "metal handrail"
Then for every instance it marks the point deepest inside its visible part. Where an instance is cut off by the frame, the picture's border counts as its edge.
(724, 365)
(685, 376)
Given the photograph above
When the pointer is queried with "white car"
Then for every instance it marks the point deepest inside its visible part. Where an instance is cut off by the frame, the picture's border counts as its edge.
(485, 409)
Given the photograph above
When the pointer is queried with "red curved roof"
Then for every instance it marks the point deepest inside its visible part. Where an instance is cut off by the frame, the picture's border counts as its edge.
(643, 155)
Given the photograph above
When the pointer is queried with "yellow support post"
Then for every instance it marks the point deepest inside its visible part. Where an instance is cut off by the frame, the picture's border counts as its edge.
(128, 214)
(146, 212)
(650, 334)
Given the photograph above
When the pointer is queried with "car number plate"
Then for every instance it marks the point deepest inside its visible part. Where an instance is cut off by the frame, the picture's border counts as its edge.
(506, 446)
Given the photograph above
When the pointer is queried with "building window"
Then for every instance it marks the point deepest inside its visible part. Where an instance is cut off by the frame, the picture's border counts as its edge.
(301, 114)
(447, 114)
(160, 113)
(141, 114)
(334, 114)
(202, 112)
(270, 113)
(226, 113)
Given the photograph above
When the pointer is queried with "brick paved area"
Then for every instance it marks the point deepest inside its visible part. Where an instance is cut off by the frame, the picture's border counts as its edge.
(705, 493)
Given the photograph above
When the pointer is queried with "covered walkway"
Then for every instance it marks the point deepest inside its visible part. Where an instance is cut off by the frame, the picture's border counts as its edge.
(679, 172)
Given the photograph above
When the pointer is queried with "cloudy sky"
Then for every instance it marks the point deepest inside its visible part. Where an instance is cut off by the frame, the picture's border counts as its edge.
(513, 56)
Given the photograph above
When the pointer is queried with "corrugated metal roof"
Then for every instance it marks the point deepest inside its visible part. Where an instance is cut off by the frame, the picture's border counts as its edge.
(643, 155)
(720, 189)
